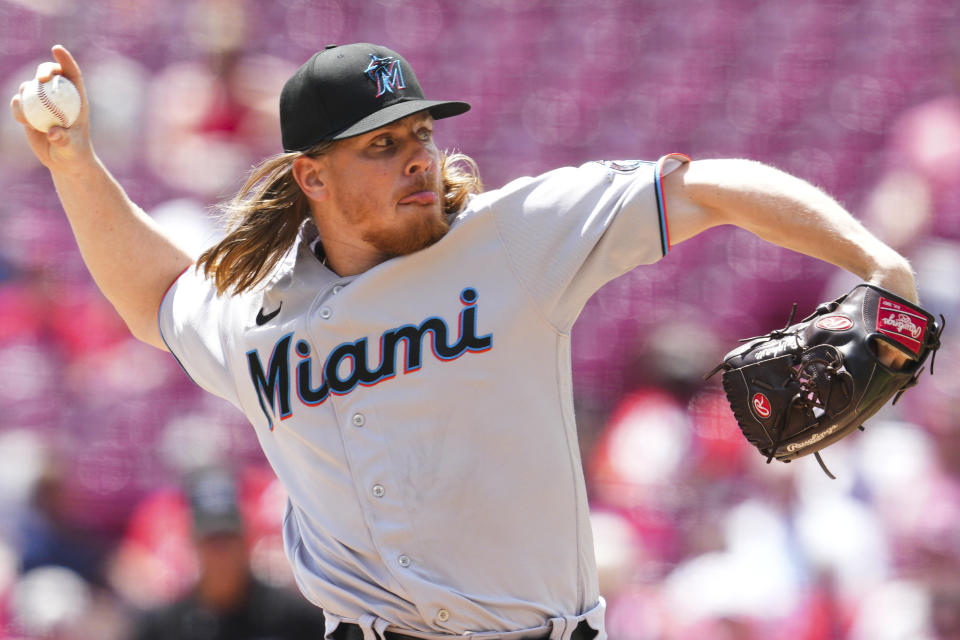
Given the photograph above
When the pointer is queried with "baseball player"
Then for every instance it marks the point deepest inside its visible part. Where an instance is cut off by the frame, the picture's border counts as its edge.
(400, 340)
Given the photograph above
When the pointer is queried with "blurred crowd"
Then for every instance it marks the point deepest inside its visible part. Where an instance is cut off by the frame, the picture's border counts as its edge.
(696, 537)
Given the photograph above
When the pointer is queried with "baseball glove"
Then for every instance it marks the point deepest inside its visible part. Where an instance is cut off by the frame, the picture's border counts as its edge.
(799, 389)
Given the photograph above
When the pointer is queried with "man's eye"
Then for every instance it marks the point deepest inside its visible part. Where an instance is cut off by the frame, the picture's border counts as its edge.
(425, 134)
(382, 142)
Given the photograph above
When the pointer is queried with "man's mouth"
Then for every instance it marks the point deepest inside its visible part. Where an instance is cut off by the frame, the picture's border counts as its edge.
(420, 197)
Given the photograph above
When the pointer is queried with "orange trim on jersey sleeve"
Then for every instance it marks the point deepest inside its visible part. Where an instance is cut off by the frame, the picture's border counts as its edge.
(661, 202)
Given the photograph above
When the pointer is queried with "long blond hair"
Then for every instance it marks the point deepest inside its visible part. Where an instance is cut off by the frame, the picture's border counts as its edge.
(264, 218)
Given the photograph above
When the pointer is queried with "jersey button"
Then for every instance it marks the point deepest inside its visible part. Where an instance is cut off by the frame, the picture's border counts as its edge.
(378, 491)
(404, 561)
(359, 420)
(337, 289)
(325, 313)
(443, 615)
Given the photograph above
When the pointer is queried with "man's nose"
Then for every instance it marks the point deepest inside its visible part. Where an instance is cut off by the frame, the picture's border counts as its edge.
(421, 160)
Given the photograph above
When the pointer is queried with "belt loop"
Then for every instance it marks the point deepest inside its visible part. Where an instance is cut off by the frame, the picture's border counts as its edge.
(564, 628)
(558, 628)
(366, 624)
(595, 619)
(380, 626)
(330, 624)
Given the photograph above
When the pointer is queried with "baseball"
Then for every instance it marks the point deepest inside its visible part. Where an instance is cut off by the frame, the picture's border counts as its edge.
(52, 103)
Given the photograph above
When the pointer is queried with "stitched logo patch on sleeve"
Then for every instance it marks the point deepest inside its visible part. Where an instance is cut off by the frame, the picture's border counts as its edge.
(902, 324)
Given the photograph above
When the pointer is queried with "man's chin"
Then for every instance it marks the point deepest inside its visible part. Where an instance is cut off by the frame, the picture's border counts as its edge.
(417, 234)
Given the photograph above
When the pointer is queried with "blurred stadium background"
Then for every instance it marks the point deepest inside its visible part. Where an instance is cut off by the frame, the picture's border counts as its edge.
(696, 537)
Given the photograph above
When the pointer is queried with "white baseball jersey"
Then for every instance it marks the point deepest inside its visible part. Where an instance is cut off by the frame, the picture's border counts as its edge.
(420, 414)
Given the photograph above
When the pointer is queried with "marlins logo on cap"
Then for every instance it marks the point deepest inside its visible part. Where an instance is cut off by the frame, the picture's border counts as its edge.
(387, 73)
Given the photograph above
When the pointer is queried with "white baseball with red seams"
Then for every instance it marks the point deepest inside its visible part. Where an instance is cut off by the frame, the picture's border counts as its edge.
(55, 103)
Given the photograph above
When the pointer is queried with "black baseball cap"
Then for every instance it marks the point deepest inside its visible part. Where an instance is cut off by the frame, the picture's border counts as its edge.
(347, 90)
(214, 508)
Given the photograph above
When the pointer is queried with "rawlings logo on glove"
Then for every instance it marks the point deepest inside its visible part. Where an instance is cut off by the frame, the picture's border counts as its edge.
(799, 389)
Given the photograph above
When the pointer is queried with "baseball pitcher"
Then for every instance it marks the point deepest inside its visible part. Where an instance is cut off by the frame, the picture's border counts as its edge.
(400, 339)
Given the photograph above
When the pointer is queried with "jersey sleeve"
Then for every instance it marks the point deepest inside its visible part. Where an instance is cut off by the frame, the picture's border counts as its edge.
(191, 315)
(570, 231)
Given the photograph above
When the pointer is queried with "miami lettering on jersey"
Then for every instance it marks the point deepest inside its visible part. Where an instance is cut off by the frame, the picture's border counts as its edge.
(272, 384)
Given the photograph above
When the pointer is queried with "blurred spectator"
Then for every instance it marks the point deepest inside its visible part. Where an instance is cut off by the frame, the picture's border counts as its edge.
(49, 602)
(945, 608)
(919, 190)
(203, 143)
(227, 602)
(48, 535)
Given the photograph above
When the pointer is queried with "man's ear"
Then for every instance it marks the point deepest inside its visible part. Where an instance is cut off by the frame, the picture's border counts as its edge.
(308, 173)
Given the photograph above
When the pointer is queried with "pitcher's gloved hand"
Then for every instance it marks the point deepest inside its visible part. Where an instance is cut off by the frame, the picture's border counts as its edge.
(799, 389)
